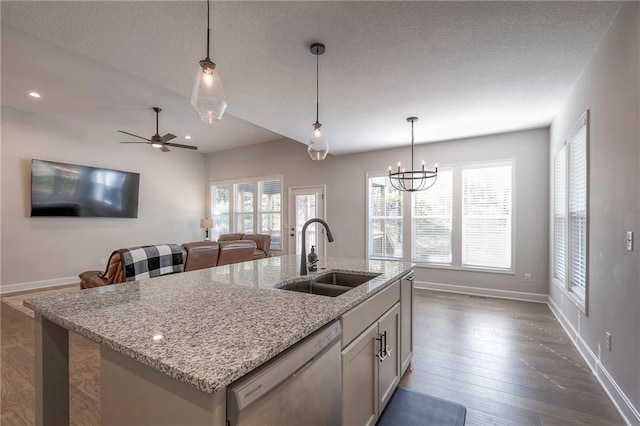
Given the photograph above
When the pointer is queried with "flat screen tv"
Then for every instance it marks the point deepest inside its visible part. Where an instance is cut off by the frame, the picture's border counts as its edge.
(60, 189)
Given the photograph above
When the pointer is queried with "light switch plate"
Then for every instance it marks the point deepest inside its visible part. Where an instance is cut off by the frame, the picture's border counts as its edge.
(629, 240)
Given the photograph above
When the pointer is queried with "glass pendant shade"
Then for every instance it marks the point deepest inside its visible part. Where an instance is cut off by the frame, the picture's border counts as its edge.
(208, 95)
(318, 147)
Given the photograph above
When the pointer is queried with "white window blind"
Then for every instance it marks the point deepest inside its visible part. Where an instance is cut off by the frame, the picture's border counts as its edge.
(220, 197)
(486, 215)
(578, 209)
(270, 210)
(384, 227)
(243, 207)
(560, 215)
(431, 221)
(252, 206)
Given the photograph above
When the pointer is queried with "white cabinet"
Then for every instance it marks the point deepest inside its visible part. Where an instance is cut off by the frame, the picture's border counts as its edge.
(406, 321)
(388, 356)
(377, 342)
(371, 370)
(359, 379)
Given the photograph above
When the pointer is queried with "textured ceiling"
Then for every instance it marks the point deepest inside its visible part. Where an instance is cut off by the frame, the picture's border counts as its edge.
(464, 68)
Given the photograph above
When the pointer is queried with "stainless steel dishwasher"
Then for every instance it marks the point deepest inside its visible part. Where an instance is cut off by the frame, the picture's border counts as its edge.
(301, 386)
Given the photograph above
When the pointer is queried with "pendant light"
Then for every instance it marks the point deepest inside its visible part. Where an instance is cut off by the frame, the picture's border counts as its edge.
(318, 147)
(208, 95)
(413, 180)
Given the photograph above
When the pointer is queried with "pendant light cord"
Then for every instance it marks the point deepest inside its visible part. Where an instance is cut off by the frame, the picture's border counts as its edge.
(208, 31)
(411, 144)
(317, 85)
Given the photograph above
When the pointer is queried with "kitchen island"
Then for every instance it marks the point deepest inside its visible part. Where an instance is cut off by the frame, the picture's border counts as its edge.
(193, 333)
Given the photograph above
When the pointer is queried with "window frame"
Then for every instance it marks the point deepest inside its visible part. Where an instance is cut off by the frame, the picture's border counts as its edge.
(452, 234)
(512, 215)
(578, 295)
(255, 181)
(402, 218)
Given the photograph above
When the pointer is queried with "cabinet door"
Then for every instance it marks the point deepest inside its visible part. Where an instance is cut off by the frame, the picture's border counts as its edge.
(360, 378)
(389, 367)
(406, 322)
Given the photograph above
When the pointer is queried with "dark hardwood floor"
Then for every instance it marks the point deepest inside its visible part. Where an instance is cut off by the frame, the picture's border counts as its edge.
(508, 362)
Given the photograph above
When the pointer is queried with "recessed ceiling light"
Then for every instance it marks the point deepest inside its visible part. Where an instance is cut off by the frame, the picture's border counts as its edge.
(34, 94)
(187, 137)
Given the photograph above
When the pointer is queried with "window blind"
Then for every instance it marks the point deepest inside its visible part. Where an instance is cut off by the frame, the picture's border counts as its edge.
(220, 210)
(431, 221)
(560, 215)
(486, 215)
(269, 210)
(243, 207)
(384, 227)
(578, 207)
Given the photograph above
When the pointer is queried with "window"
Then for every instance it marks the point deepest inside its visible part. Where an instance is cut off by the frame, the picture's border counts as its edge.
(384, 228)
(432, 221)
(486, 215)
(249, 206)
(570, 211)
(560, 215)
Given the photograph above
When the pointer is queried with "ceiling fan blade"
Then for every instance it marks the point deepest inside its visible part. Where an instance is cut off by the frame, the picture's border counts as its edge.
(135, 136)
(177, 145)
(167, 137)
(164, 149)
(146, 143)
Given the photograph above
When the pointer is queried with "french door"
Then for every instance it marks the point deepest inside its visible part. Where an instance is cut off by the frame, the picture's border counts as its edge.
(306, 203)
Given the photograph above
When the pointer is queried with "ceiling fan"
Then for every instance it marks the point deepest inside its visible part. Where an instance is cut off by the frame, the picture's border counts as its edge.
(157, 141)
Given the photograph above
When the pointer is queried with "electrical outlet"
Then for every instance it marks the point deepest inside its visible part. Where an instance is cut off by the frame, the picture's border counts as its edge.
(609, 341)
(528, 278)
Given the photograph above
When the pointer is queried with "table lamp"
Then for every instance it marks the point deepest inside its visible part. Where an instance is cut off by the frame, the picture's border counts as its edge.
(206, 223)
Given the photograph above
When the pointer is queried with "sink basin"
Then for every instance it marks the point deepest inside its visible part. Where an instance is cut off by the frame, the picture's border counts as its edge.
(344, 279)
(332, 284)
(310, 287)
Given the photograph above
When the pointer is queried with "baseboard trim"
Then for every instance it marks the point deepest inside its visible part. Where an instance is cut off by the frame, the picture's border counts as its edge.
(479, 291)
(625, 407)
(36, 285)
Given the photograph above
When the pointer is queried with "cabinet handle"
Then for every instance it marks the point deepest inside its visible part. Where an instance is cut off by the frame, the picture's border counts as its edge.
(383, 352)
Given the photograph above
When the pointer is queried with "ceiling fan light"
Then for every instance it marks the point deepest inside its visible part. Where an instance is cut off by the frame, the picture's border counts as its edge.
(156, 144)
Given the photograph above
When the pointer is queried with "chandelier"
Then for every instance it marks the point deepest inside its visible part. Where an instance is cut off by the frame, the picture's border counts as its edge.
(413, 180)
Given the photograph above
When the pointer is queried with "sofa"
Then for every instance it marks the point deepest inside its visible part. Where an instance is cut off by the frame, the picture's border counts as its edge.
(195, 255)
(263, 242)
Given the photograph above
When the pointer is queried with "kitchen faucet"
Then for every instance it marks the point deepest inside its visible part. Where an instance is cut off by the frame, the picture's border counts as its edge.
(303, 255)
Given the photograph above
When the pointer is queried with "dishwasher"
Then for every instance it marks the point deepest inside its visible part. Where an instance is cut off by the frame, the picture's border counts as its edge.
(301, 386)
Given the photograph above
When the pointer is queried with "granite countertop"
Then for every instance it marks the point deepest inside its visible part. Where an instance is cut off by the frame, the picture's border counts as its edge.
(209, 327)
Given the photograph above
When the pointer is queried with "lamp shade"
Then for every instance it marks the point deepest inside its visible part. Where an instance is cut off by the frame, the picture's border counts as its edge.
(206, 223)
(318, 147)
(208, 96)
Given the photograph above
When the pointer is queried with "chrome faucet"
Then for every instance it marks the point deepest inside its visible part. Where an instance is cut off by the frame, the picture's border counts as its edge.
(303, 255)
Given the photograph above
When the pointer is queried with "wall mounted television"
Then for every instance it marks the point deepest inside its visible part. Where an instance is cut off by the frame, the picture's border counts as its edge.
(61, 189)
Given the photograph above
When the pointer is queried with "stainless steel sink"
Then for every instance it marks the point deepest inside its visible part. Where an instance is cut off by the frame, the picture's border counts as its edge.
(332, 284)
(344, 279)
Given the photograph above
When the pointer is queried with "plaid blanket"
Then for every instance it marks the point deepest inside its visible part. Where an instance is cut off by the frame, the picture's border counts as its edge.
(151, 261)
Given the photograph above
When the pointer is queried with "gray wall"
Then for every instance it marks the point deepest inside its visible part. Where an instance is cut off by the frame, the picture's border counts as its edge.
(345, 177)
(610, 88)
(45, 251)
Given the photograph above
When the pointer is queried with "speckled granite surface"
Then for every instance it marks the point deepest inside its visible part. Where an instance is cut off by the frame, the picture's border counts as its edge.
(210, 327)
